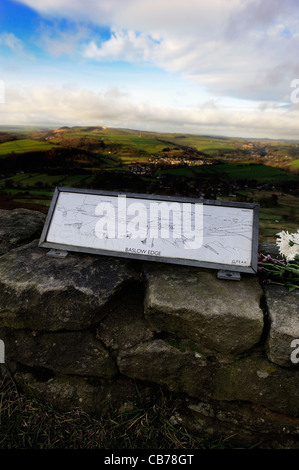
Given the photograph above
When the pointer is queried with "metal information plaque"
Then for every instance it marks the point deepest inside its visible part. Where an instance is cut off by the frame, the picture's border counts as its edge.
(195, 232)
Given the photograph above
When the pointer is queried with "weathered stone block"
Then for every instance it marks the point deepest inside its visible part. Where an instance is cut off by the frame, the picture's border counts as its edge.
(283, 309)
(90, 395)
(44, 293)
(247, 379)
(254, 379)
(224, 316)
(125, 325)
(159, 362)
(74, 353)
(18, 227)
(241, 424)
(269, 248)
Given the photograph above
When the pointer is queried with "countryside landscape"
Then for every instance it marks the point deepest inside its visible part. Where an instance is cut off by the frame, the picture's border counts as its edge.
(126, 350)
(33, 161)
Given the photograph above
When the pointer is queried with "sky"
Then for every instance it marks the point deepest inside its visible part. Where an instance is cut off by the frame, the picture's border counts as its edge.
(216, 67)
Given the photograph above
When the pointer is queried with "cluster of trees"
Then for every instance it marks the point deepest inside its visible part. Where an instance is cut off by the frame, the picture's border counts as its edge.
(4, 137)
(41, 161)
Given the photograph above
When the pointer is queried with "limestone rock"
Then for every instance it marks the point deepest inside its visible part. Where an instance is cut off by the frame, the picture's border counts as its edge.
(159, 362)
(241, 424)
(90, 395)
(283, 309)
(269, 248)
(19, 227)
(74, 353)
(220, 315)
(249, 379)
(125, 325)
(44, 293)
(254, 379)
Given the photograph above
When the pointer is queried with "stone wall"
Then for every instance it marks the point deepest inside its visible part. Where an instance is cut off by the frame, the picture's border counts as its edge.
(99, 333)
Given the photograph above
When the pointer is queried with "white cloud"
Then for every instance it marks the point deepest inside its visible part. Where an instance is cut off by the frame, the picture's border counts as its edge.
(16, 45)
(243, 48)
(58, 42)
(11, 41)
(70, 105)
(236, 49)
(123, 45)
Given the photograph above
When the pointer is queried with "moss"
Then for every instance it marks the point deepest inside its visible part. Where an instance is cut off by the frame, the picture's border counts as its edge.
(270, 369)
(182, 345)
(172, 340)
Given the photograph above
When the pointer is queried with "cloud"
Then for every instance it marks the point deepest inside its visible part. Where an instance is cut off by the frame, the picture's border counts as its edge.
(11, 41)
(123, 45)
(63, 104)
(59, 42)
(148, 16)
(264, 16)
(240, 48)
(70, 105)
(15, 44)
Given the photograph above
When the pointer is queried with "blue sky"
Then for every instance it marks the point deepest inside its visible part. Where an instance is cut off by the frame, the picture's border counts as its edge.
(221, 67)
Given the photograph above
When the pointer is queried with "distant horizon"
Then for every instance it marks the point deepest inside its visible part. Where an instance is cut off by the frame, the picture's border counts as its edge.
(45, 127)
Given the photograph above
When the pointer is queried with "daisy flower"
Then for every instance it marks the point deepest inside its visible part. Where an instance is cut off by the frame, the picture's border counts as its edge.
(288, 244)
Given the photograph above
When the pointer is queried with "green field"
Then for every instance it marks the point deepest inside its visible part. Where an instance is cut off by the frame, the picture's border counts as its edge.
(261, 173)
(30, 180)
(284, 216)
(295, 165)
(126, 140)
(235, 171)
(118, 159)
(135, 143)
(204, 144)
(24, 145)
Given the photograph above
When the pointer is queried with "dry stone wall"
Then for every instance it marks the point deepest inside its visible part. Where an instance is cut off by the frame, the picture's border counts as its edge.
(98, 333)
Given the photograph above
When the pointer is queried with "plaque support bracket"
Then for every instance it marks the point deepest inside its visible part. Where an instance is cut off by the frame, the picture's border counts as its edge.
(228, 275)
(54, 253)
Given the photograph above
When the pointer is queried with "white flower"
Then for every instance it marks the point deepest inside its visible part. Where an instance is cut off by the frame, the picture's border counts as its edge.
(296, 238)
(288, 244)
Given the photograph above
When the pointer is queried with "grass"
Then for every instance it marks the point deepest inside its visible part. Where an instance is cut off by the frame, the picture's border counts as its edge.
(235, 171)
(37, 188)
(295, 165)
(145, 145)
(285, 216)
(260, 173)
(205, 144)
(270, 225)
(125, 147)
(133, 141)
(23, 145)
(272, 219)
(40, 202)
(30, 180)
(27, 423)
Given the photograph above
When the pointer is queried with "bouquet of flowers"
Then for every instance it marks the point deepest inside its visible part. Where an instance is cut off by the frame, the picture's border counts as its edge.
(282, 271)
